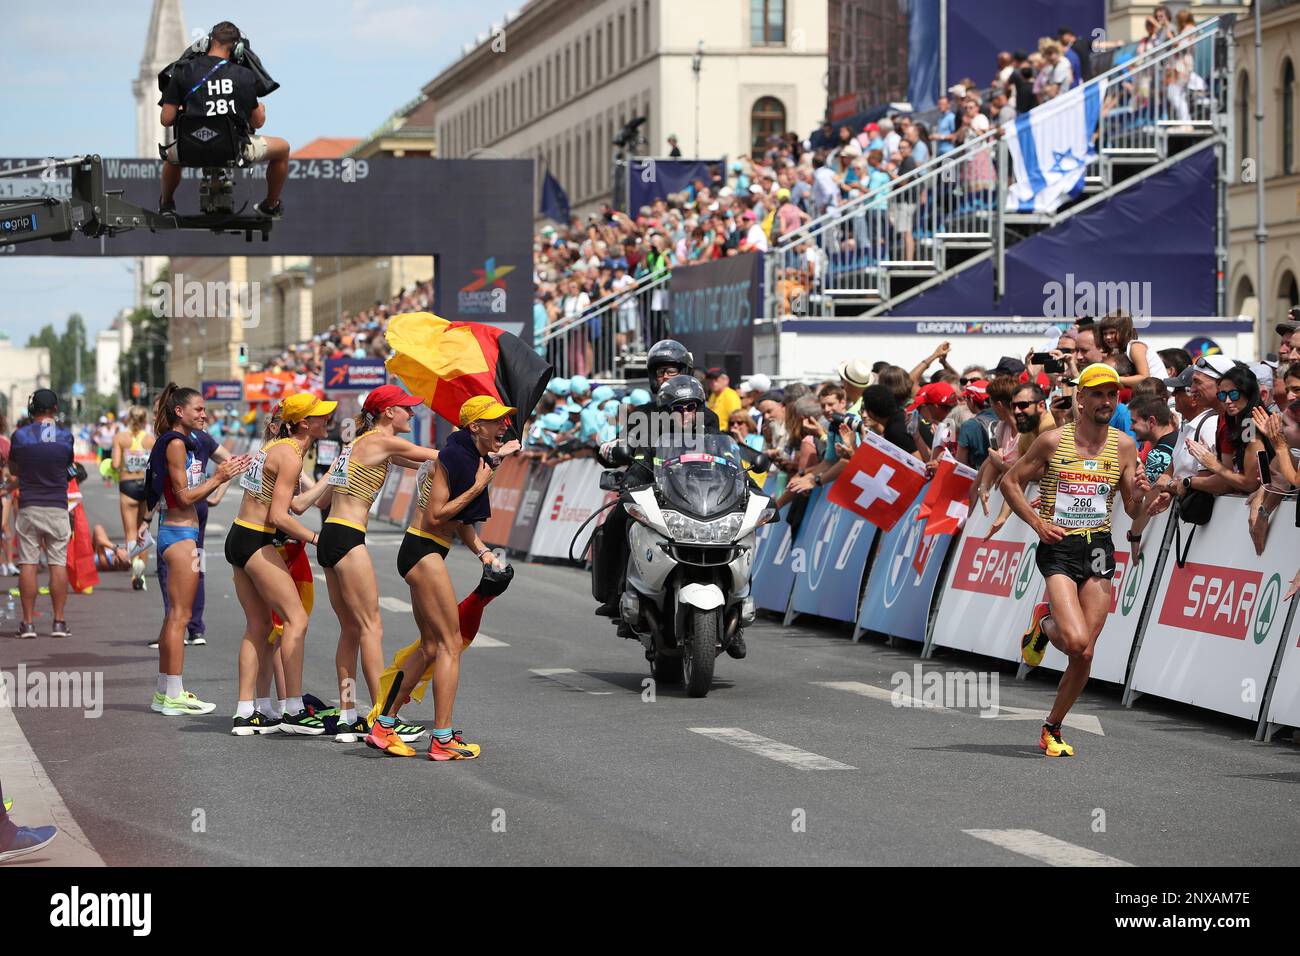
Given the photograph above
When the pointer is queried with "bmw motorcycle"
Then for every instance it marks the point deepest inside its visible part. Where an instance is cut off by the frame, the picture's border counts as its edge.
(691, 543)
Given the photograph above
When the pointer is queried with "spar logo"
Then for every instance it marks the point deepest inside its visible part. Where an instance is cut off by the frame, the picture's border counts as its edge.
(487, 293)
(1228, 602)
(992, 567)
(558, 505)
(1124, 584)
(1027, 569)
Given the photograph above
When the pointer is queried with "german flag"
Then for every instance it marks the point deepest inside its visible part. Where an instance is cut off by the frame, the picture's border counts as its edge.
(447, 363)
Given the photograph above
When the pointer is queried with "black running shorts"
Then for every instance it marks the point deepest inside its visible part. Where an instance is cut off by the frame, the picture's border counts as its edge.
(1078, 556)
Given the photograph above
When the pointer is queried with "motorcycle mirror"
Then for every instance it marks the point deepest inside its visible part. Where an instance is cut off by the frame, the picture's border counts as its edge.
(762, 464)
(611, 481)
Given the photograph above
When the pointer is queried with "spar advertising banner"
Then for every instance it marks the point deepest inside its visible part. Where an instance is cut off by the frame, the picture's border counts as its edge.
(903, 576)
(1218, 619)
(536, 484)
(1129, 589)
(772, 574)
(354, 375)
(835, 550)
(573, 495)
(506, 492)
(1284, 705)
(991, 586)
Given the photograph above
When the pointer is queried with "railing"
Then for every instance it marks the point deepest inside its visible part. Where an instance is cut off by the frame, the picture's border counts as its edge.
(592, 342)
(904, 227)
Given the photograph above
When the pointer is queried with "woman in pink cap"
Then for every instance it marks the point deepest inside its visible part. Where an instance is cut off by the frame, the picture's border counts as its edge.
(355, 479)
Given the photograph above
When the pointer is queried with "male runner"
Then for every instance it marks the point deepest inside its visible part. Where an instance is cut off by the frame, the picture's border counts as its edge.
(1077, 467)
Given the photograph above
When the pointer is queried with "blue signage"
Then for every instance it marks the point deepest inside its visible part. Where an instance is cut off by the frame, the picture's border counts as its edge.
(222, 391)
(354, 375)
(834, 555)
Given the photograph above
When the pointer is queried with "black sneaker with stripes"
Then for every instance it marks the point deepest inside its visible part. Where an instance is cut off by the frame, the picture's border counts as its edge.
(259, 723)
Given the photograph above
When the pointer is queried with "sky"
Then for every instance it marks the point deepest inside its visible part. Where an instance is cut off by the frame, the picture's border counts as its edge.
(344, 66)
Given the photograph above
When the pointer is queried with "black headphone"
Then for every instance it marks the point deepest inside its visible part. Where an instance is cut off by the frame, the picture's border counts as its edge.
(205, 44)
(31, 402)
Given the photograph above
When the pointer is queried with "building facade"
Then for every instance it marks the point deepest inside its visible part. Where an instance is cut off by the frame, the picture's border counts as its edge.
(1277, 162)
(557, 83)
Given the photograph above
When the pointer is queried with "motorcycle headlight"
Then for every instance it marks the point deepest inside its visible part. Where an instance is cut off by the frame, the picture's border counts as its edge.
(719, 531)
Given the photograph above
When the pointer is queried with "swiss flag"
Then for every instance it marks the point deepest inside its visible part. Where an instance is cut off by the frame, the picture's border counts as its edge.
(946, 505)
(880, 482)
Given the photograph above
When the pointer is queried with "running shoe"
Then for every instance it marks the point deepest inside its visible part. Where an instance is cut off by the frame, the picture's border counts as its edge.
(28, 840)
(1051, 743)
(59, 629)
(27, 630)
(157, 705)
(1034, 641)
(454, 749)
(408, 732)
(186, 705)
(154, 643)
(195, 640)
(270, 212)
(43, 589)
(383, 738)
(350, 733)
(309, 725)
(259, 723)
(9, 804)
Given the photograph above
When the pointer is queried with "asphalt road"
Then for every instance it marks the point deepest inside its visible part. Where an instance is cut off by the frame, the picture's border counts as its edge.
(798, 755)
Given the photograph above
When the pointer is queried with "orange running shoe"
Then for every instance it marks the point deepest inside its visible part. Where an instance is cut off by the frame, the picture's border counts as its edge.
(1033, 644)
(386, 739)
(1051, 743)
(454, 749)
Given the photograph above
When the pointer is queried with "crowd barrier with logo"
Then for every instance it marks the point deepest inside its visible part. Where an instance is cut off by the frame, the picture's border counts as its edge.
(1217, 618)
(1284, 694)
(572, 496)
(772, 573)
(835, 548)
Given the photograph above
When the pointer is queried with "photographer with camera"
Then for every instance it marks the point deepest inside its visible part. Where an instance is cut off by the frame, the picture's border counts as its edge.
(41, 459)
(218, 84)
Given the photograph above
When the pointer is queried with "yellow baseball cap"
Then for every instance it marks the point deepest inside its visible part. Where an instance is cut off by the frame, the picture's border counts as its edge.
(1098, 373)
(304, 405)
(483, 408)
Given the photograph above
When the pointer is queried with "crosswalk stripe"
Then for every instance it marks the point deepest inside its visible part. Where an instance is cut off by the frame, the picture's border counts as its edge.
(575, 680)
(771, 749)
(1085, 722)
(1047, 849)
(394, 604)
(215, 526)
(482, 640)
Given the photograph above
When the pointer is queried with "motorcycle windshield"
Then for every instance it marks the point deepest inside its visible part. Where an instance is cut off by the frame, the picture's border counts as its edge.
(704, 479)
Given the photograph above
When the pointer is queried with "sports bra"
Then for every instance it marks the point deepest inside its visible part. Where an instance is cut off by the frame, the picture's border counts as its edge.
(1076, 492)
(354, 479)
(259, 480)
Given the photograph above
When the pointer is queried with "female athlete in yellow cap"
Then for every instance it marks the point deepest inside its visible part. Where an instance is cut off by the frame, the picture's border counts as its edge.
(262, 580)
(453, 497)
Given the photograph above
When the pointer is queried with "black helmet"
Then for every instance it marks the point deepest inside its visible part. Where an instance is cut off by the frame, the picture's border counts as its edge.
(666, 352)
(681, 388)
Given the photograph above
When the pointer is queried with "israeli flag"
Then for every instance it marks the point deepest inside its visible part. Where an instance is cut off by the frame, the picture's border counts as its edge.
(1051, 146)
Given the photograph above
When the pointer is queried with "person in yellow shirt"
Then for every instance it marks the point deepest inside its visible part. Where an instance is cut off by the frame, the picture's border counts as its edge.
(723, 399)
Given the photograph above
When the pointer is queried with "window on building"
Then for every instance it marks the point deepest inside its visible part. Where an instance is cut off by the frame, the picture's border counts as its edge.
(1243, 118)
(600, 66)
(766, 119)
(609, 45)
(767, 22)
(645, 27)
(1288, 119)
(1288, 292)
(633, 38)
(622, 44)
(586, 58)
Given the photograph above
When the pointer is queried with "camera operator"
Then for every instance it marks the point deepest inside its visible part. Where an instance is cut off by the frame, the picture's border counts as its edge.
(213, 85)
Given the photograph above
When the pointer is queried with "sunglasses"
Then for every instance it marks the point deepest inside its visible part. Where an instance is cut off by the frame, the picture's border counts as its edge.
(1023, 406)
(968, 381)
(686, 407)
(1066, 351)
(1231, 396)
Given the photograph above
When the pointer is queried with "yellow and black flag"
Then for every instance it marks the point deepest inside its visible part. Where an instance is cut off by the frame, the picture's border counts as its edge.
(446, 363)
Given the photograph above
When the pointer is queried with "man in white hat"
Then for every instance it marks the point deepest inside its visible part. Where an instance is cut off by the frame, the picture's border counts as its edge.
(855, 376)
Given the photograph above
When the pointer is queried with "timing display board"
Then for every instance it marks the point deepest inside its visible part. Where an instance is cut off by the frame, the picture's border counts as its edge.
(474, 217)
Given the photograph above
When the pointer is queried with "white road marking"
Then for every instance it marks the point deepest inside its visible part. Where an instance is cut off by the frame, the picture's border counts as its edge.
(575, 680)
(319, 577)
(482, 640)
(37, 803)
(771, 749)
(394, 604)
(1047, 849)
(215, 526)
(1084, 722)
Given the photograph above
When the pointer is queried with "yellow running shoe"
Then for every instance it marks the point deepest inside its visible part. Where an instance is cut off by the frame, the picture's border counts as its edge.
(1051, 743)
(386, 739)
(1034, 642)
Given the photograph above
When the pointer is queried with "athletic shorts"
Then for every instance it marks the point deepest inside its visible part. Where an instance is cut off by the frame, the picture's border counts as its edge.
(46, 529)
(133, 488)
(337, 538)
(169, 534)
(416, 545)
(1078, 557)
(254, 151)
(244, 540)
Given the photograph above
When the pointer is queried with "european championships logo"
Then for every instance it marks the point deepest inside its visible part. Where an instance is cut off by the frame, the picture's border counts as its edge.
(487, 293)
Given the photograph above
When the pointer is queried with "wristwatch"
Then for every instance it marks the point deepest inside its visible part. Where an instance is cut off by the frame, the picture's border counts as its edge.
(1187, 484)
(817, 480)
(1132, 538)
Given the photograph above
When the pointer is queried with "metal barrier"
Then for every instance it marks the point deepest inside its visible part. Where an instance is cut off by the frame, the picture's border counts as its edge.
(596, 341)
(951, 207)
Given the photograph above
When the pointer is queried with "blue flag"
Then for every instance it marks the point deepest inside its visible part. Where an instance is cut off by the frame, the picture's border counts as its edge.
(555, 201)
